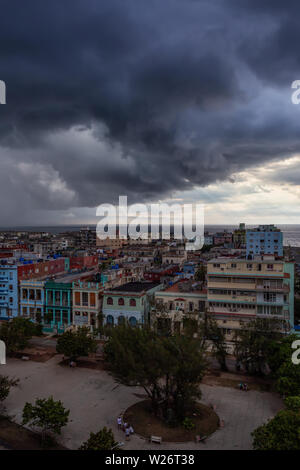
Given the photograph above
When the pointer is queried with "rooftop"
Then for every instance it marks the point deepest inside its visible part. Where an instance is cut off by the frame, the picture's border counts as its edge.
(187, 286)
(138, 286)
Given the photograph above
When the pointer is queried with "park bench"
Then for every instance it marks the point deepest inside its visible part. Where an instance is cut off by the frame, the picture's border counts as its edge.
(200, 439)
(155, 439)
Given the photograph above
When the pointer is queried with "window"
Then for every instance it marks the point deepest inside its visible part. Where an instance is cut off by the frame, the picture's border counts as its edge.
(270, 267)
(121, 320)
(110, 301)
(269, 297)
(132, 321)
(121, 301)
(77, 298)
(85, 298)
(132, 303)
(92, 299)
(110, 319)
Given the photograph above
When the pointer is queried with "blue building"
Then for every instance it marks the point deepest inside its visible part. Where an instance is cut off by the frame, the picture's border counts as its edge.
(32, 298)
(9, 298)
(189, 268)
(264, 240)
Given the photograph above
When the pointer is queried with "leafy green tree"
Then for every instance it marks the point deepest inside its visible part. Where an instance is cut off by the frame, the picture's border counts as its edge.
(252, 343)
(74, 344)
(5, 385)
(47, 414)
(288, 382)
(16, 333)
(169, 368)
(102, 440)
(286, 373)
(279, 352)
(283, 431)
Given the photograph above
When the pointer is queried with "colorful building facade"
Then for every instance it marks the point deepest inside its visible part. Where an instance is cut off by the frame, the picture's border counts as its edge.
(32, 299)
(9, 294)
(129, 303)
(240, 290)
(58, 305)
(87, 303)
(264, 240)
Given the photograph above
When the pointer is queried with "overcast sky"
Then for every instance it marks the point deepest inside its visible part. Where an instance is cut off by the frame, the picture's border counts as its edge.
(173, 100)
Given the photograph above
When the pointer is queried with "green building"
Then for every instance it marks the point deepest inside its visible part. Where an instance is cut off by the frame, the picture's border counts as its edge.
(58, 305)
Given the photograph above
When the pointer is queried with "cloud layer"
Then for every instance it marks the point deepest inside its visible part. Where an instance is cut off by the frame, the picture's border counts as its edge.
(144, 98)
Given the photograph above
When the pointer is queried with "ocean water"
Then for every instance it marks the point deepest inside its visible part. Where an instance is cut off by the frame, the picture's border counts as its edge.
(291, 232)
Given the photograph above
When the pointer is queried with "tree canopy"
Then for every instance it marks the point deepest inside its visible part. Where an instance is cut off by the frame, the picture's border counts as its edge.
(5, 385)
(283, 431)
(17, 332)
(47, 414)
(252, 343)
(169, 369)
(74, 344)
(101, 440)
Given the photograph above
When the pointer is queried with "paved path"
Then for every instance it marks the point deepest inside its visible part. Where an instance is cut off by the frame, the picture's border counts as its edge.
(95, 400)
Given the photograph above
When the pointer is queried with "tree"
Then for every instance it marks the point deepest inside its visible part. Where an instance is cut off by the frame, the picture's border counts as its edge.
(74, 344)
(200, 274)
(281, 432)
(279, 352)
(252, 343)
(286, 373)
(288, 382)
(5, 385)
(217, 337)
(47, 414)
(169, 368)
(16, 333)
(102, 440)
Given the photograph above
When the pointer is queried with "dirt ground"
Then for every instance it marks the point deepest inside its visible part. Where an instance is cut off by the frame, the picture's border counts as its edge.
(145, 423)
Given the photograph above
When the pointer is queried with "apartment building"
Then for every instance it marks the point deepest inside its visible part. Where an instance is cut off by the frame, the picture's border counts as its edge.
(239, 290)
(174, 256)
(222, 238)
(264, 240)
(87, 303)
(32, 298)
(9, 295)
(58, 312)
(184, 299)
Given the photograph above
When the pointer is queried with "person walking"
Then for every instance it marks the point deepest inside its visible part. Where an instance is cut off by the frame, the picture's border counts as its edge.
(120, 422)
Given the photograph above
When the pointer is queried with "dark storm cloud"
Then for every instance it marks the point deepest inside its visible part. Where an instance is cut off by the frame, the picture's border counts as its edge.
(140, 97)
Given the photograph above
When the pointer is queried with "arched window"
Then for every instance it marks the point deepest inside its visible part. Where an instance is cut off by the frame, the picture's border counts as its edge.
(110, 301)
(132, 321)
(121, 301)
(132, 303)
(121, 320)
(110, 320)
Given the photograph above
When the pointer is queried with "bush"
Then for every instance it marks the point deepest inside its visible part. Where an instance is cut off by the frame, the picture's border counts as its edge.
(102, 440)
(188, 424)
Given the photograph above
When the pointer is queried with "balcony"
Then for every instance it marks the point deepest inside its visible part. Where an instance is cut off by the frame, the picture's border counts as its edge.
(284, 288)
